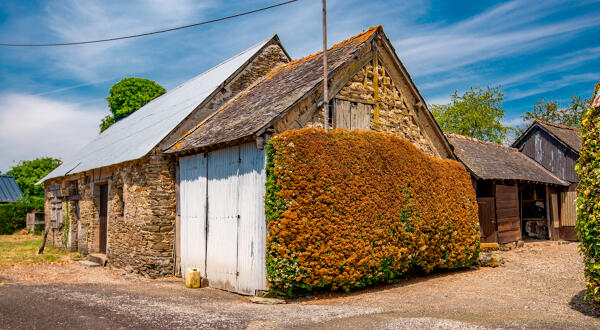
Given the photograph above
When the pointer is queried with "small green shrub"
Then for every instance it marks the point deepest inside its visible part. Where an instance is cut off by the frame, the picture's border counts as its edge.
(12, 216)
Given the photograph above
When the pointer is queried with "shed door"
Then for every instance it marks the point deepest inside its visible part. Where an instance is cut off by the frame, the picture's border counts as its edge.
(487, 219)
(192, 192)
(568, 208)
(507, 213)
(223, 222)
(103, 217)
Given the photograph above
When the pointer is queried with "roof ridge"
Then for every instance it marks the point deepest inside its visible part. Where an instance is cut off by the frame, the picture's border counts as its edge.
(556, 125)
(361, 37)
(264, 41)
(468, 138)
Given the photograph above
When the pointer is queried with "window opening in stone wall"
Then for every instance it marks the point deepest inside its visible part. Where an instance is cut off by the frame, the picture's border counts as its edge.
(73, 188)
(56, 215)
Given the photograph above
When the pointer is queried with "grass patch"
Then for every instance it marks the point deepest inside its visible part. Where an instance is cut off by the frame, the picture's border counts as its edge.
(19, 249)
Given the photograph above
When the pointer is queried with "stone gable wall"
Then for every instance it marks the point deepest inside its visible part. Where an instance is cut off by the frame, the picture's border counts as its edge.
(390, 113)
(141, 214)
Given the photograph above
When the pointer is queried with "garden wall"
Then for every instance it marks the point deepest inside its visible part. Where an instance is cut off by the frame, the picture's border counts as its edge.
(347, 209)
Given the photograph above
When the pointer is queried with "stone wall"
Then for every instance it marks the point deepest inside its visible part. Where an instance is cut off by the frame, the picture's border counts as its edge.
(141, 213)
(391, 111)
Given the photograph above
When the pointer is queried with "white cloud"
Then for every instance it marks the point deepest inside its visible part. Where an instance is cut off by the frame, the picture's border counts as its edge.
(33, 126)
(552, 85)
(498, 32)
(79, 20)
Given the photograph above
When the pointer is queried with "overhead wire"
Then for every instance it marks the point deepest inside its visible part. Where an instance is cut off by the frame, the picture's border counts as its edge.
(148, 33)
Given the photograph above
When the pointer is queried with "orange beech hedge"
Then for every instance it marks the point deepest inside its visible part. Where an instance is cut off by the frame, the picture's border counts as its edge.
(347, 209)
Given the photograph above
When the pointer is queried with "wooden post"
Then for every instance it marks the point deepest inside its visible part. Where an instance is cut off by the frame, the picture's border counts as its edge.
(548, 214)
(325, 96)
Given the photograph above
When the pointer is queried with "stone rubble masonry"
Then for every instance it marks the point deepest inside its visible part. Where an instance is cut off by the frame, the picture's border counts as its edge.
(395, 115)
(142, 206)
(141, 213)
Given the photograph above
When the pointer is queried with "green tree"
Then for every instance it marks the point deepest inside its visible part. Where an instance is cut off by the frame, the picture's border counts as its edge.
(477, 113)
(128, 95)
(552, 112)
(28, 172)
(588, 200)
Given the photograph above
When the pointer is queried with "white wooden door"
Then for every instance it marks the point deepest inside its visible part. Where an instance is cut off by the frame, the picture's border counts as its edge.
(223, 218)
(223, 223)
(252, 232)
(192, 185)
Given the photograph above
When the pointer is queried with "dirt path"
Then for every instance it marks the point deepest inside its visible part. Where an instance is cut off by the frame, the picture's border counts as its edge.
(540, 286)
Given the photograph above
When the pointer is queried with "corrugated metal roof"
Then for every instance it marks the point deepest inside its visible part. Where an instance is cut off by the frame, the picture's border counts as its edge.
(9, 189)
(136, 135)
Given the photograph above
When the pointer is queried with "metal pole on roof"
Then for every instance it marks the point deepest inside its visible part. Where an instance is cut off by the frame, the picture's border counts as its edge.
(325, 96)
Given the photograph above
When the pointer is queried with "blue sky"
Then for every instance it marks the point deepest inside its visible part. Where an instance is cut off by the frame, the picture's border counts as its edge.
(52, 99)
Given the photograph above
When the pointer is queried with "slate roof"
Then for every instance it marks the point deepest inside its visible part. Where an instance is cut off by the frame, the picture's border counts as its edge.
(491, 161)
(137, 134)
(9, 189)
(265, 101)
(568, 135)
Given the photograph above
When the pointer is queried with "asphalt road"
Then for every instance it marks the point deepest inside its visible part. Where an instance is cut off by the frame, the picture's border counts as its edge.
(539, 286)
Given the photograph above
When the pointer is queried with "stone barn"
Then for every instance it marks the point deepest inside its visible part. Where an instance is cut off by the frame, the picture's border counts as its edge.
(115, 199)
(221, 161)
(180, 183)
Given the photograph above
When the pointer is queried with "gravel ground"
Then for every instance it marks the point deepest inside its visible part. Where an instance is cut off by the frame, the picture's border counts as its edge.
(539, 286)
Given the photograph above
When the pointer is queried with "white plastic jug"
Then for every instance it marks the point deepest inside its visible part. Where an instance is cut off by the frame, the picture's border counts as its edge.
(192, 278)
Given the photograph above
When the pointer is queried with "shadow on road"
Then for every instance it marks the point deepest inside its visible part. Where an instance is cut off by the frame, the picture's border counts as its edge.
(415, 277)
(583, 306)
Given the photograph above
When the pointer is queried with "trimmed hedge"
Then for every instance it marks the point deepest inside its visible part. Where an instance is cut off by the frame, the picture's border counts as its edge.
(346, 209)
(588, 199)
(12, 216)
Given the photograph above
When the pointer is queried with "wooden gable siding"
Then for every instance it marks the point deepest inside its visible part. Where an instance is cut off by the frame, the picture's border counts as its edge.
(551, 154)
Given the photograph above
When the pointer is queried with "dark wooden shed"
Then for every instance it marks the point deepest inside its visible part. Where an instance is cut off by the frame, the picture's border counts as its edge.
(556, 148)
(512, 190)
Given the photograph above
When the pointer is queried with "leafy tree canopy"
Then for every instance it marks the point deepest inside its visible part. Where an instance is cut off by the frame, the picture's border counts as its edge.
(551, 111)
(477, 113)
(28, 172)
(128, 95)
